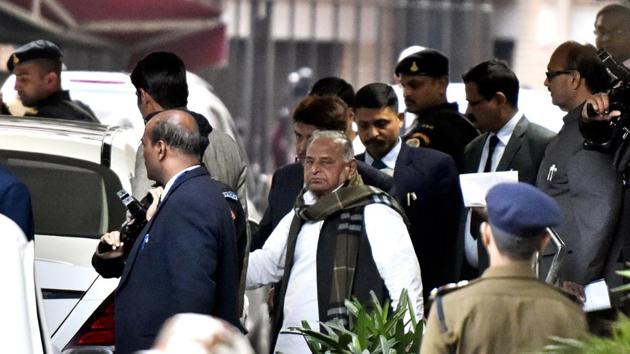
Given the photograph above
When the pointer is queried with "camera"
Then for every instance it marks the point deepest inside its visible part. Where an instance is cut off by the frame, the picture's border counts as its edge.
(131, 228)
(612, 136)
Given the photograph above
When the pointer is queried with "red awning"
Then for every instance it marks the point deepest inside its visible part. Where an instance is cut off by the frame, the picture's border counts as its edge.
(191, 28)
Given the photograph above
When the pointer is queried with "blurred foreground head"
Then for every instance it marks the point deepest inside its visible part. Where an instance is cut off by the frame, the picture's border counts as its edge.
(192, 333)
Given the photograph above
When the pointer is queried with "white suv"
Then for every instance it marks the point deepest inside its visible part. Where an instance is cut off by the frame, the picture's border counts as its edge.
(73, 171)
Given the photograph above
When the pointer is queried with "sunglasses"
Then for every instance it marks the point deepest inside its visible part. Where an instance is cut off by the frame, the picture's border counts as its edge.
(551, 74)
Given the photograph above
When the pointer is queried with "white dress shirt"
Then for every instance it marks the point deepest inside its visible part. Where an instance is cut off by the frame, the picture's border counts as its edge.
(392, 251)
(389, 159)
(171, 181)
(504, 134)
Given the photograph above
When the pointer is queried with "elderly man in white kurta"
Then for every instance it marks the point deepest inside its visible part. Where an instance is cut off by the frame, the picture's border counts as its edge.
(342, 239)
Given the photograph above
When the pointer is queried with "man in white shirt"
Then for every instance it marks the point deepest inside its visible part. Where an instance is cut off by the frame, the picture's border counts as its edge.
(342, 239)
(509, 141)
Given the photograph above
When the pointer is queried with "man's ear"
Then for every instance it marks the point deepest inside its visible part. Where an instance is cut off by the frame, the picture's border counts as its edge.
(576, 80)
(500, 98)
(51, 79)
(486, 233)
(352, 169)
(161, 149)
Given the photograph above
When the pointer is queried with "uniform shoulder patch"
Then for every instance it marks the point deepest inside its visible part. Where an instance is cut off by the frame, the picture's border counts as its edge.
(413, 142)
(419, 138)
(230, 195)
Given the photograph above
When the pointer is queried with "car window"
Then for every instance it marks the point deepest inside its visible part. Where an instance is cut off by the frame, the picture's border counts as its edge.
(70, 197)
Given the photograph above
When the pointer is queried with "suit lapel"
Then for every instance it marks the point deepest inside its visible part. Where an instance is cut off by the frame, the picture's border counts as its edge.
(472, 163)
(360, 157)
(514, 145)
(133, 254)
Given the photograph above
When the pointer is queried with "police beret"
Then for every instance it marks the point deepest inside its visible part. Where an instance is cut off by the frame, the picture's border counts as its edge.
(427, 62)
(520, 209)
(39, 49)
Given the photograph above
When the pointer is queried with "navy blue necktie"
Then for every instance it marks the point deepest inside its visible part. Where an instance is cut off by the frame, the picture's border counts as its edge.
(378, 164)
(491, 146)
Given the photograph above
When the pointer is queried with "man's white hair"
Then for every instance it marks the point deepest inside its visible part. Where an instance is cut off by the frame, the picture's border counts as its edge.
(337, 137)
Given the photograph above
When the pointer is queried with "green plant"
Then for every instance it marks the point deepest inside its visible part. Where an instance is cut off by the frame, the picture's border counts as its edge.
(371, 331)
(618, 343)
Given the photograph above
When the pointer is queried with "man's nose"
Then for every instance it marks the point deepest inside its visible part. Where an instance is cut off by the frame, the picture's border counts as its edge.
(372, 132)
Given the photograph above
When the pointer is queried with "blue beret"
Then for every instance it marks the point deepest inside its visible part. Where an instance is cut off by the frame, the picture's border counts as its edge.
(520, 209)
(39, 49)
(429, 62)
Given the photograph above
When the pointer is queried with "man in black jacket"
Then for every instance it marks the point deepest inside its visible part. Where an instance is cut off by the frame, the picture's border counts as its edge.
(440, 126)
(37, 69)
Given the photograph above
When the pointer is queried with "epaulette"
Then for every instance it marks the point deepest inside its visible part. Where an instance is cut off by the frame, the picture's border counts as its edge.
(445, 289)
(436, 297)
(572, 296)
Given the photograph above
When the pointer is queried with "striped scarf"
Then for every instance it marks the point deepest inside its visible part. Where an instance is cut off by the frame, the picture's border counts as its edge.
(350, 200)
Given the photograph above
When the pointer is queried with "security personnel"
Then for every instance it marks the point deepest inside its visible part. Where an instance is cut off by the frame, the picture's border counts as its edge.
(37, 69)
(439, 125)
(507, 310)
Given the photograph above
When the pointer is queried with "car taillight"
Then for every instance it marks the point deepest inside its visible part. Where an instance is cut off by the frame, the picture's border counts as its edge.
(98, 330)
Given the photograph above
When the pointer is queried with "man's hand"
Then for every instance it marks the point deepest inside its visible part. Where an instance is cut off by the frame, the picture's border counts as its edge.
(110, 246)
(155, 193)
(599, 104)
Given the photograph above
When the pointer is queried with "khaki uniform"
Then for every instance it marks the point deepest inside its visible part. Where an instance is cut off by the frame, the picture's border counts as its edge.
(505, 311)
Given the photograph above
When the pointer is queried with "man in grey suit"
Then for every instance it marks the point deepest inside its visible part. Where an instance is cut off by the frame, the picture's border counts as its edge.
(509, 141)
(582, 181)
(160, 82)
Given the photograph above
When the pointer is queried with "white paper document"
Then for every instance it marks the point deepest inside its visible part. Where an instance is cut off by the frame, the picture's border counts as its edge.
(597, 297)
(475, 186)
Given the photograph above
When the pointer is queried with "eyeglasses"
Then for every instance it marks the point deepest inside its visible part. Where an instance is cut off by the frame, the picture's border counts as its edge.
(551, 74)
(474, 103)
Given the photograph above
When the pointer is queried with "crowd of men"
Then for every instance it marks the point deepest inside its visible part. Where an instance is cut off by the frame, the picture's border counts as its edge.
(341, 224)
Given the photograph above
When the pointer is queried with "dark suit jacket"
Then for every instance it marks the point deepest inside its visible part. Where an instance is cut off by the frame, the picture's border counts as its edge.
(523, 153)
(183, 261)
(286, 184)
(589, 192)
(430, 176)
(15, 202)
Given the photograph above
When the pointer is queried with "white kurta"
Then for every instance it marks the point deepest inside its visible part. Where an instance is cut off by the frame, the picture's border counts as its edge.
(391, 247)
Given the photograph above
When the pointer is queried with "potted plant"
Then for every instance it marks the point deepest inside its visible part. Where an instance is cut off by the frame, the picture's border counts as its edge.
(372, 329)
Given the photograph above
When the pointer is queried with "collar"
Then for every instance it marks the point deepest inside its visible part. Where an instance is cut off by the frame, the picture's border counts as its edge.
(173, 179)
(452, 106)
(521, 269)
(507, 129)
(310, 198)
(573, 114)
(389, 159)
(61, 95)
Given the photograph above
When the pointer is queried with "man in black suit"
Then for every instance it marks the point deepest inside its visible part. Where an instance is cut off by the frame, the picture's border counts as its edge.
(185, 257)
(426, 183)
(312, 113)
(509, 141)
